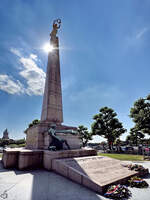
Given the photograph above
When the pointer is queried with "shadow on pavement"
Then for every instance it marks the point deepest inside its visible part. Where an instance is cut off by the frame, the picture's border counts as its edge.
(49, 186)
(44, 185)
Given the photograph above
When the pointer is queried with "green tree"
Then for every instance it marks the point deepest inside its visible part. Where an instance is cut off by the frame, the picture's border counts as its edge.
(84, 135)
(129, 139)
(34, 122)
(136, 136)
(4, 142)
(140, 114)
(117, 142)
(20, 141)
(107, 125)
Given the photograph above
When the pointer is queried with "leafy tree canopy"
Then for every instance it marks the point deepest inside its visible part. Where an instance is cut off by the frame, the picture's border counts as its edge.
(140, 114)
(84, 135)
(34, 122)
(107, 125)
(135, 136)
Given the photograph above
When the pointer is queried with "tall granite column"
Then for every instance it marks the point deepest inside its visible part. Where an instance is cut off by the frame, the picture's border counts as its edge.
(52, 110)
(37, 136)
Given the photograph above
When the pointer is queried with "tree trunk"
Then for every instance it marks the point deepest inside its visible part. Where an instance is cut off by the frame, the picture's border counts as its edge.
(109, 144)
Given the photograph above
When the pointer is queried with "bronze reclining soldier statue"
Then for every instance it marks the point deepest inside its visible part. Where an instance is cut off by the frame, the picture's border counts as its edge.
(57, 143)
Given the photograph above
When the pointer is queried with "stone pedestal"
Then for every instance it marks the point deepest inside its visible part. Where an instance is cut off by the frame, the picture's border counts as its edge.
(10, 158)
(37, 137)
(29, 159)
(49, 156)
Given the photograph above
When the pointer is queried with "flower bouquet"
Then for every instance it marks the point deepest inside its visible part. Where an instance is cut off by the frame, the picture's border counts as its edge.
(138, 182)
(136, 167)
(118, 192)
(143, 171)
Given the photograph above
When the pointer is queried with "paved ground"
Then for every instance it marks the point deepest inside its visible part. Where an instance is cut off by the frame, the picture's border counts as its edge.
(44, 185)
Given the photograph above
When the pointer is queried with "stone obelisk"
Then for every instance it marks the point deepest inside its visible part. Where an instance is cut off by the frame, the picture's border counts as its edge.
(37, 136)
(52, 111)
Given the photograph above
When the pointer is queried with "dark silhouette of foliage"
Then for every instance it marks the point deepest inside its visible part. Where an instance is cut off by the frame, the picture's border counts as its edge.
(140, 114)
(135, 137)
(34, 122)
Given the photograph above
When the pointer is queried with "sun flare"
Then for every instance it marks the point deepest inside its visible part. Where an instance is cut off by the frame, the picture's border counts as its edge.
(48, 48)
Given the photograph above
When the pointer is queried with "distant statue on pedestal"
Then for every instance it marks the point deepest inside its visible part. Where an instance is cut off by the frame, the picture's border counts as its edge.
(57, 143)
(5, 135)
(56, 26)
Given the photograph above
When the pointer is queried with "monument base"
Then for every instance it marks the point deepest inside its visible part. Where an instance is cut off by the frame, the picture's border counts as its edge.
(37, 136)
(82, 166)
(25, 158)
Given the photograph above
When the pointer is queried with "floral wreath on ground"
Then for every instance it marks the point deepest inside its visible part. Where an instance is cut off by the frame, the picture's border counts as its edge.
(136, 167)
(138, 182)
(139, 168)
(121, 191)
(118, 192)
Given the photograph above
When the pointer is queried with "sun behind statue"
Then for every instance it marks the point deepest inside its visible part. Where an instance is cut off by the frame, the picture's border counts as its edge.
(47, 48)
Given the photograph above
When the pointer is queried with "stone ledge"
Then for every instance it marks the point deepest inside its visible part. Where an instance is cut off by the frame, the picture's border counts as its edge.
(30, 159)
(30, 152)
(22, 158)
(74, 152)
(50, 155)
(10, 158)
(26, 158)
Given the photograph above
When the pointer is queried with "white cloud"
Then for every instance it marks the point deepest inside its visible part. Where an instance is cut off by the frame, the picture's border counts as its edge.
(34, 75)
(9, 85)
(141, 33)
(33, 56)
(15, 51)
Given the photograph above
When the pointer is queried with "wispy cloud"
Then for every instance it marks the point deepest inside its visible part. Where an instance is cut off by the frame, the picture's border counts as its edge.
(67, 83)
(9, 85)
(137, 38)
(15, 51)
(34, 75)
(97, 95)
(33, 56)
(141, 33)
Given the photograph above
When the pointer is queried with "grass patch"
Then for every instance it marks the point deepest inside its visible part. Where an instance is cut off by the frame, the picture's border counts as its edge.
(0, 155)
(128, 157)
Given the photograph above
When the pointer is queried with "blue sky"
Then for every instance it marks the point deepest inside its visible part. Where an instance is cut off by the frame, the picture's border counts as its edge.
(104, 57)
